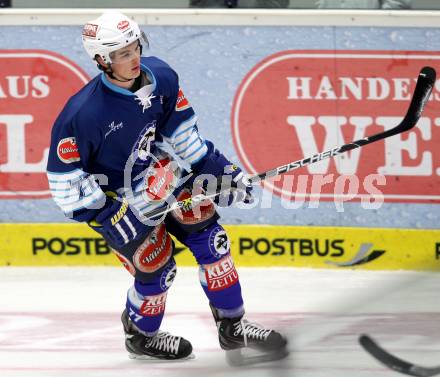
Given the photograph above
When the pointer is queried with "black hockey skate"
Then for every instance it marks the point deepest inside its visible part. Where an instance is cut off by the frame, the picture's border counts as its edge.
(237, 335)
(162, 346)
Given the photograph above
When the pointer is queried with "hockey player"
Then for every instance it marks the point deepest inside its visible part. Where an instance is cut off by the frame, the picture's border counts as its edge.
(118, 150)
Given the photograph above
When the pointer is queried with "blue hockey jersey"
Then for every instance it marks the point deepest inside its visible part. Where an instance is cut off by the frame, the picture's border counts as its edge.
(109, 139)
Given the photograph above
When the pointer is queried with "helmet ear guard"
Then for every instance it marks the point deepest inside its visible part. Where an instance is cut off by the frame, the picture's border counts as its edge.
(107, 69)
(144, 41)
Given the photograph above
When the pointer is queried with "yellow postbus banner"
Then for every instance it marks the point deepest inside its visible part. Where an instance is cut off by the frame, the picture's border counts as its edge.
(49, 244)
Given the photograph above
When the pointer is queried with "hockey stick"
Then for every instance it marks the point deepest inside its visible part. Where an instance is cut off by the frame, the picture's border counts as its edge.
(393, 362)
(425, 83)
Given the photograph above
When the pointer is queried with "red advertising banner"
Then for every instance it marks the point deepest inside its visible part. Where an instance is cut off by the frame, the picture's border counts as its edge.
(34, 86)
(295, 104)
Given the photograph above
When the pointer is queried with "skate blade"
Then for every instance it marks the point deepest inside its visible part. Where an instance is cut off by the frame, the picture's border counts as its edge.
(155, 360)
(245, 356)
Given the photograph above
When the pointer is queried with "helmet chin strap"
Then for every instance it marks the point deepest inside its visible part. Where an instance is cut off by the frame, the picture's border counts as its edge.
(109, 72)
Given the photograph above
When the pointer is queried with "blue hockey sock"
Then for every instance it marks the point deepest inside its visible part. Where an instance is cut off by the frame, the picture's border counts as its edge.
(217, 273)
(146, 301)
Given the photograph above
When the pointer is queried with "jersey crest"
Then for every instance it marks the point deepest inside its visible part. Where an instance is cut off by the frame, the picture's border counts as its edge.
(142, 148)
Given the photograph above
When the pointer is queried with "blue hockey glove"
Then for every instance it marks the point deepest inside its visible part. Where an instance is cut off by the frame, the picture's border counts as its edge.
(118, 224)
(233, 187)
(231, 184)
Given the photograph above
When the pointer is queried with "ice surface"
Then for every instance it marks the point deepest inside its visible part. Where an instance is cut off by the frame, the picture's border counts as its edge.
(65, 321)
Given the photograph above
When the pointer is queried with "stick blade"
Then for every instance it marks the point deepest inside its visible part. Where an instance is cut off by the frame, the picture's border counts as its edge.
(393, 362)
(383, 356)
(424, 86)
(429, 73)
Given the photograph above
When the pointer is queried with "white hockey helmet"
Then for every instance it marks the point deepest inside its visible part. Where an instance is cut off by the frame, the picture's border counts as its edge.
(110, 32)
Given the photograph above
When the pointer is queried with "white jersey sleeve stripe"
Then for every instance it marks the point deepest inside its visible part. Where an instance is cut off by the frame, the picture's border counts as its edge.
(187, 143)
(191, 141)
(183, 135)
(197, 154)
(88, 203)
(191, 148)
(181, 140)
(74, 191)
(76, 173)
(184, 141)
(184, 127)
(62, 186)
(73, 200)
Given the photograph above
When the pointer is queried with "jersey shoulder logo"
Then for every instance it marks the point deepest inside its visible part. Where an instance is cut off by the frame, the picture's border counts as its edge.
(67, 150)
(182, 102)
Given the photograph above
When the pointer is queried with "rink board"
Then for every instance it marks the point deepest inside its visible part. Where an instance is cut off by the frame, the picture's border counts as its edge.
(252, 245)
(266, 86)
